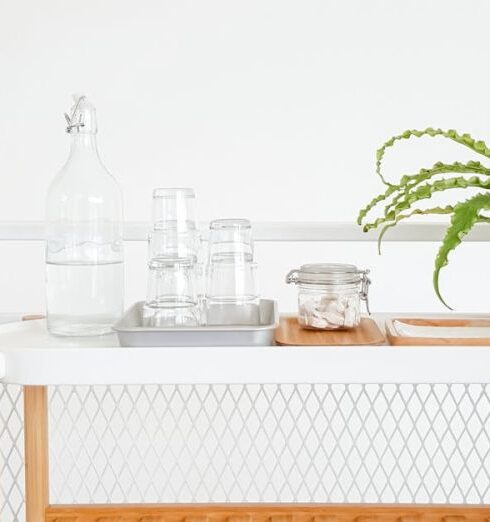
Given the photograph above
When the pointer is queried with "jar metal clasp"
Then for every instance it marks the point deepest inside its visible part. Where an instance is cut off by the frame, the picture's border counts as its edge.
(365, 282)
(292, 276)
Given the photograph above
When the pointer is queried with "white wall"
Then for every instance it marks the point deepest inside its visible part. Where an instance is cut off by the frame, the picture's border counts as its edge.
(270, 109)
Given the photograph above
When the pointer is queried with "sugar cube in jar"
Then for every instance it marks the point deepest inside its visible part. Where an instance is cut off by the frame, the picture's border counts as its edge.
(329, 295)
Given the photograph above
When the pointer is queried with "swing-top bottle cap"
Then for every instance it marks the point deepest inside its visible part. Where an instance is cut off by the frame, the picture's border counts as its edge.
(81, 119)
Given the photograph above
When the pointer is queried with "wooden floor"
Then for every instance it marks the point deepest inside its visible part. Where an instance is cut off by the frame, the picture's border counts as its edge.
(267, 513)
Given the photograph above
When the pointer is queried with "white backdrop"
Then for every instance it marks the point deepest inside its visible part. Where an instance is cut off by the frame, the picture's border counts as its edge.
(270, 109)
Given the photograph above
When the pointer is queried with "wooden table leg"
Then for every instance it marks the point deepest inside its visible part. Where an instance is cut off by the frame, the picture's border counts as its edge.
(36, 452)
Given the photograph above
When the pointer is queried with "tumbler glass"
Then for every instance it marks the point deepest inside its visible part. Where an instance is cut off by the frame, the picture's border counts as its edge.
(174, 209)
(230, 239)
(172, 244)
(174, 231)
(171, 299)
(232, 296)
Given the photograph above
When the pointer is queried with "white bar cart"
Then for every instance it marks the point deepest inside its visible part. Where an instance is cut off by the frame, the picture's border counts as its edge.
(245, 434)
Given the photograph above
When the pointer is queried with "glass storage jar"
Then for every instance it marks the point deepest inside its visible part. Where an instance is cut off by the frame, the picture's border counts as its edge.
(330, 295)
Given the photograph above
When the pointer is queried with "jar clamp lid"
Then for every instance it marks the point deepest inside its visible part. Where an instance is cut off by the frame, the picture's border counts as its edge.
(331, 274)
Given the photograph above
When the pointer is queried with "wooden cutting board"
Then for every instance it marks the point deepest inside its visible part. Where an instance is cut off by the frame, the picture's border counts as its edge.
(397, 339)
(290, 333)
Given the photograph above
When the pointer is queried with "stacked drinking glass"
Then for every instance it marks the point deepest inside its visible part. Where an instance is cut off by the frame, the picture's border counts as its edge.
(231, 291)
(175, 276)
(172, 298)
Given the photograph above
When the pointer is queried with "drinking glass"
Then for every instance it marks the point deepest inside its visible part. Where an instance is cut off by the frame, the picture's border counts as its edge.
(173, 244)
(174, 209)
(174, 232)
(171, 299)
(230, 239)
(232, 296)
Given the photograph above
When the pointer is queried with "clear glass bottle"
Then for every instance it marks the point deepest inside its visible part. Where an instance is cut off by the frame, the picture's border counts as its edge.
(84, 243)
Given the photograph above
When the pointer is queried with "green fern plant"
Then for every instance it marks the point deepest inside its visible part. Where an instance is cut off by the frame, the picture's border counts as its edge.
(399, 199)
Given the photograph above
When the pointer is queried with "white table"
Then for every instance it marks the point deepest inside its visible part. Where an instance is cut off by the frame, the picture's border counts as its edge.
(30, 358)
(33, 359)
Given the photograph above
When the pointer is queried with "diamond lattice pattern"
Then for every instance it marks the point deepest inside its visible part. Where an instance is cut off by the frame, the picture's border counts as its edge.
(271, 443)
(12, 454)
(256, 443)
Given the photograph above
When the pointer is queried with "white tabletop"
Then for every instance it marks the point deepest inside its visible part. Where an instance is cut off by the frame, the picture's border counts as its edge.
(30, 356)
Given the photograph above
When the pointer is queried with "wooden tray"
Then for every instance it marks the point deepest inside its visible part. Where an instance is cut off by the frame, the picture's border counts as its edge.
(290, 333)
(396, 339)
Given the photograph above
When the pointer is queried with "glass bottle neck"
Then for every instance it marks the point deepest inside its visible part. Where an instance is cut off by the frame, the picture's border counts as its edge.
(83, 143)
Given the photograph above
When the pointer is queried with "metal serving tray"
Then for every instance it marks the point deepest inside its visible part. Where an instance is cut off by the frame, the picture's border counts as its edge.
(131, 333)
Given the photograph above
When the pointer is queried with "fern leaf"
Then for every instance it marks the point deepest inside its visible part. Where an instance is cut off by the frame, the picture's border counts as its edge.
(417, 212)
(408, 182)
(477, 146)
(427, 190)
(364, 211)
(465, 215)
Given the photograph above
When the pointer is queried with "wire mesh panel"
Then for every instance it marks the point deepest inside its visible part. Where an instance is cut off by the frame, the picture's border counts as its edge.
(12, 453)
(271, 443)
(256, 443)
